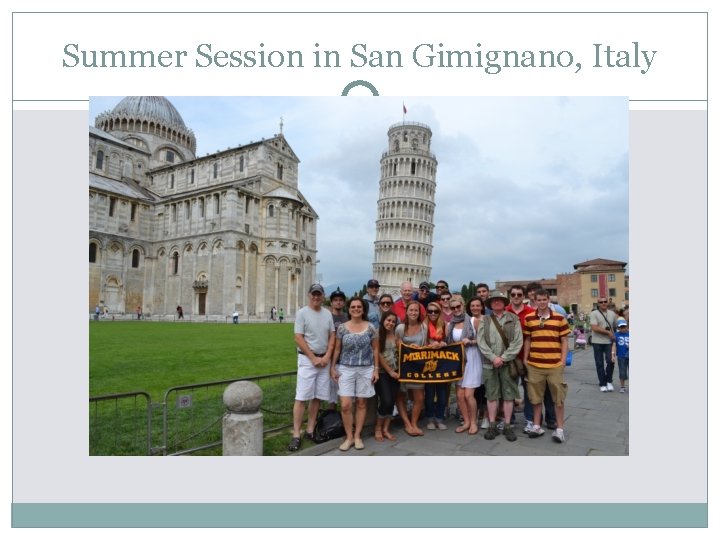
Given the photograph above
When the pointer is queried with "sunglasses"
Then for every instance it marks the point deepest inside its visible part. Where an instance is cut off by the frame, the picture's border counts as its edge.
(386, 303)
(603, 302)
(445, 299)
(456, 307)
(432, 311)
(441, 287)
(516, 295)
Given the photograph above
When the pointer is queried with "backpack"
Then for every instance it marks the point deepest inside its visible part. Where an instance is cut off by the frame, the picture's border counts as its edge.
(328, 426)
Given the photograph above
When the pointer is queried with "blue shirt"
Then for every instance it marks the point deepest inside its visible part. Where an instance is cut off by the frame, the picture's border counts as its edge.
(622, 344)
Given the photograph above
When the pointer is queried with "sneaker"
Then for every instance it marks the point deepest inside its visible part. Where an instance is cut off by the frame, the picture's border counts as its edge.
(603, 388)
(309, 436)
(535, 432)
(551, 425)
(501, 425)
(509, 433)
(441, 426)
(528, 428)
(491, 433)
(622, 389)
(485, 423)
(430, 425)
(610, 387)
(558, 436)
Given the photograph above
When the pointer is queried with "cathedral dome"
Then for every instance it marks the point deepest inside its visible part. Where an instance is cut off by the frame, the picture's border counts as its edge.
(148, 114)
(156, 108)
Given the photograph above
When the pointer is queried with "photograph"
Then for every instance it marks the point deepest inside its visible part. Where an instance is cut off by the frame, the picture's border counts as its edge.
(256, 263)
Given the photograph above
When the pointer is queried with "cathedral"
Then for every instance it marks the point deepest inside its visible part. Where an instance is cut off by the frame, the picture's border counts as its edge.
(227, 232)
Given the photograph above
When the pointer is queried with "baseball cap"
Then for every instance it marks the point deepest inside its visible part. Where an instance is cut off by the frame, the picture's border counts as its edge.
(373, 283)
(316, 287)
(336, 294)
(622, 322)
(424, 285)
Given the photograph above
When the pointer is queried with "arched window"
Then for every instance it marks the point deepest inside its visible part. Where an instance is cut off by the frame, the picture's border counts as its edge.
(280, 171)
(271, 211)
(175, 262)
(135, 258)
(93, 252)
(99, 159)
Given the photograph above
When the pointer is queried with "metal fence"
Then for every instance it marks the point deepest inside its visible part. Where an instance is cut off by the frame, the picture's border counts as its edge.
(188, 420)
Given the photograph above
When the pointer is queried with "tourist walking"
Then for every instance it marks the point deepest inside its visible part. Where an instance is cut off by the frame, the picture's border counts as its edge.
(603, 322)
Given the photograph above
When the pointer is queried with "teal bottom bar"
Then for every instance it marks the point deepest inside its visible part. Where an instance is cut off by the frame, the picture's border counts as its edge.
(596, 515)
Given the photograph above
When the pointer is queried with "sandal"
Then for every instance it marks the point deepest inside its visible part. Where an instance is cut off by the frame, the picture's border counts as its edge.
(462, 428)
(472, 431)
(378, 435)
(294, 445)
(389, 436)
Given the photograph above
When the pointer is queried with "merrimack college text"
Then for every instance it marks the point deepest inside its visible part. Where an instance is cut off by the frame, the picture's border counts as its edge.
(428, 365)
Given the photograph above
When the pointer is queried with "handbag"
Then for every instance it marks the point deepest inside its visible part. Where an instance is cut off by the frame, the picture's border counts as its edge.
(517, 366)
(329, 426)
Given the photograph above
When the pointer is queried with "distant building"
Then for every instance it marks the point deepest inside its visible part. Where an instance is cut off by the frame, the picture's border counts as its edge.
(217, 234)
(580, 289)
(406, 208)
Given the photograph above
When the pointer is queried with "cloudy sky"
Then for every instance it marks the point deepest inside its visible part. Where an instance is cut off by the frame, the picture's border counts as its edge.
(526, 187)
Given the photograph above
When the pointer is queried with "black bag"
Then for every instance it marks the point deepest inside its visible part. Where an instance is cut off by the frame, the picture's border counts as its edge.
(329, 426)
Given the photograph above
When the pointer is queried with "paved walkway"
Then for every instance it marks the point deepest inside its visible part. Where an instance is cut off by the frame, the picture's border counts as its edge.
(596, 424)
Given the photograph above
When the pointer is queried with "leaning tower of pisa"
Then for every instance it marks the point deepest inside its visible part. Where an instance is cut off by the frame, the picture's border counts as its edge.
(406, 207)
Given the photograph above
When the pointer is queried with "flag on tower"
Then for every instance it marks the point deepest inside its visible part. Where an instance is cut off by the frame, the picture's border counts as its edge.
(404, 109)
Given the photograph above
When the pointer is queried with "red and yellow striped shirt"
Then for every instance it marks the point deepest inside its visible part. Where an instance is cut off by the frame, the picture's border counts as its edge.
(545, 339)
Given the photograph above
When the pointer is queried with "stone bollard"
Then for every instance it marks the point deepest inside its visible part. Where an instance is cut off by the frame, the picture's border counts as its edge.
(243, 423)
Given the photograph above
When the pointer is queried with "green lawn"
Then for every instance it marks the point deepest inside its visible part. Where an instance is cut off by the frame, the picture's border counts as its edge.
(127, 356)
(132, 356)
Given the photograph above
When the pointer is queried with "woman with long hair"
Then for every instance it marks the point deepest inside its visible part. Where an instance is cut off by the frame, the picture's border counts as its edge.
(463, 329)
(436, 394)
(387, 385)
(412, 332)
(355, 367)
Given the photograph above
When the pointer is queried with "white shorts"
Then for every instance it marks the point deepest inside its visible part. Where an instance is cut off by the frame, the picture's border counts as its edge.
(312, 382)
(355, 381)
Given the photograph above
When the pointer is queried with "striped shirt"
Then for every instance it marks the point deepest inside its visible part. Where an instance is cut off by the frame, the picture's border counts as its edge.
(545, 339)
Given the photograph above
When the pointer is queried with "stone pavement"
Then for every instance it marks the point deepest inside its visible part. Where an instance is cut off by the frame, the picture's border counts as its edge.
(596, 424)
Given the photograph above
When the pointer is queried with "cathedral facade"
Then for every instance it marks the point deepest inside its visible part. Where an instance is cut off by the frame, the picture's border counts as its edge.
(227, 232)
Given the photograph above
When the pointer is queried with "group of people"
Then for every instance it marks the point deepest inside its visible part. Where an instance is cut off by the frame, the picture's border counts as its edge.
(277, 315)
(521, 340)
